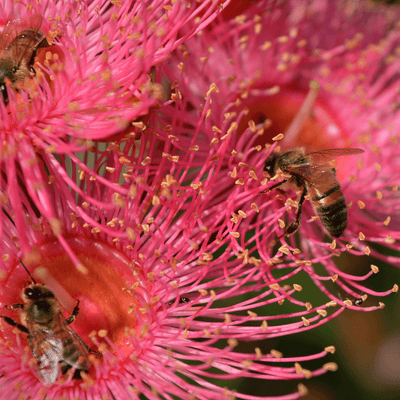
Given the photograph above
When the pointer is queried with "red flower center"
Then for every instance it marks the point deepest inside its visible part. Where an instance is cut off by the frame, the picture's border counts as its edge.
(102, 287)
(279, 114)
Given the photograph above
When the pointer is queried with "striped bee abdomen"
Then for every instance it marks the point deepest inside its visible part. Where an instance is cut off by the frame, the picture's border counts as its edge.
(331, 208)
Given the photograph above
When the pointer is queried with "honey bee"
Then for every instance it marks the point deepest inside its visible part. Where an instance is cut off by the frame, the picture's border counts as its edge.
(19, 43)
(312, 173)
(358, 302)
(182, 300)
(53, 343)
(361, 300)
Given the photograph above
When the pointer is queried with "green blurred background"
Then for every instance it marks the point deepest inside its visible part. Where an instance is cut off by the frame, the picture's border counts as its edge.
(367, 344)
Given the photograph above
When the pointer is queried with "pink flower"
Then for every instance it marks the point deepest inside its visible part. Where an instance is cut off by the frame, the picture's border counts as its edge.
(91, 84)
(98, 72)
(317, 74)
(166, 289)
(165, 241)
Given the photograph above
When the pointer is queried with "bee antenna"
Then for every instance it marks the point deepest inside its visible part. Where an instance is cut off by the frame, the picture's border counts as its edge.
(26, 269)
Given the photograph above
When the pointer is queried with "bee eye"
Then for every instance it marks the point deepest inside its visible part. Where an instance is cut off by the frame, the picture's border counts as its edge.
(14, 70)
(29, 293)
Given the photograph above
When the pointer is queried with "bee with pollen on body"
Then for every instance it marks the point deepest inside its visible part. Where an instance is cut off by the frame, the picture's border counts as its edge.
(55, 347)
(19, 43)
(312, 173)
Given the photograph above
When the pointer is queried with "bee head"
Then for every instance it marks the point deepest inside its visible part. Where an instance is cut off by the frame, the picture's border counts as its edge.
(37, 292)
(271, 165)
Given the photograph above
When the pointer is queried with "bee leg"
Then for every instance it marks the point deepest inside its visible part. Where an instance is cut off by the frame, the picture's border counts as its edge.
(14, 306)
(11, 322)
(292, 228)
(96, 353)
(43, 43)
(3, 90)
(273, 187)
(87, 348)
(73, 315)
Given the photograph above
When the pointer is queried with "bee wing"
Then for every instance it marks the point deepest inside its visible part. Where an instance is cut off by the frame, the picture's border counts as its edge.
(328, 155)
(60, 346)
(308, 172)
(76, 353)
(23, 38)
(9, 32)
(318, 163)
(79, 340)
(15, 26)
(48, 353)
